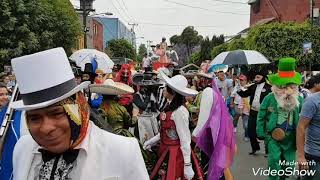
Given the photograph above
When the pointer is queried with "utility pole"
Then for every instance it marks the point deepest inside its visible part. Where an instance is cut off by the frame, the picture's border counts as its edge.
(148, 46)
(86, 8)
(133, 33)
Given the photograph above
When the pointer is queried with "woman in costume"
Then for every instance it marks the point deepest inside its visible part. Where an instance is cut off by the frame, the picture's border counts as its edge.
(175, 137)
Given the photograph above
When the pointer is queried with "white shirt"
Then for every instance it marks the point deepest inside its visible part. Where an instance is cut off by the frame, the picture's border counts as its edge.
(205, 108)
(102, 156)
(256, 100)
(181, 120)
(145, 62)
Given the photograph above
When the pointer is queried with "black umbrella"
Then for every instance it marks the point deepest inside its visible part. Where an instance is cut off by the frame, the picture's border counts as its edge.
(240, 57)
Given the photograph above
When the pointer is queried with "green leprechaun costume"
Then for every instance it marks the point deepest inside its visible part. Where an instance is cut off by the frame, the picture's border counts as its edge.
(279, 115)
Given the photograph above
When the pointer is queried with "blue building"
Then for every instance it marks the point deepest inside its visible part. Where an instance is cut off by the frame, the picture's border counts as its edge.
(113, 28)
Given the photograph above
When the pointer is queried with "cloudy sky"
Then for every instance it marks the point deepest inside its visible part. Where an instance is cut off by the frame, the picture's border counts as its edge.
(165, 18)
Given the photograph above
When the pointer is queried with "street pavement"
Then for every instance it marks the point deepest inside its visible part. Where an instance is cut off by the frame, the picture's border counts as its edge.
(242, 168)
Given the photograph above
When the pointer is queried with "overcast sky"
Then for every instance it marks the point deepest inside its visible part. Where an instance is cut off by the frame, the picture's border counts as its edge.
(165, 18)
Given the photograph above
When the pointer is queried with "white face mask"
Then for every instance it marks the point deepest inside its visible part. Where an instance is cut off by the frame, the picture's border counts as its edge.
(286, 97)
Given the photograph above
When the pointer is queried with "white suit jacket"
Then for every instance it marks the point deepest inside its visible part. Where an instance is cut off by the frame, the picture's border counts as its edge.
(102, 156)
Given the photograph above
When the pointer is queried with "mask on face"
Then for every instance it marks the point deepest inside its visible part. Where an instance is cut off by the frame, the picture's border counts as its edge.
(286, 97)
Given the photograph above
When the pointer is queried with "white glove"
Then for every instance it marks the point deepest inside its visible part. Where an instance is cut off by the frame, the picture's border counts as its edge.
(188, 172)
(152, 98)
(151, 142)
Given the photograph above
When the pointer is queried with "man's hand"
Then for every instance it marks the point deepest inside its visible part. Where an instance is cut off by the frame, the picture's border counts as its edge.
(303, 163)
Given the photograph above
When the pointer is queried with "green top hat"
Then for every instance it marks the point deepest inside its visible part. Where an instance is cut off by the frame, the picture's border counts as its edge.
(286, 73)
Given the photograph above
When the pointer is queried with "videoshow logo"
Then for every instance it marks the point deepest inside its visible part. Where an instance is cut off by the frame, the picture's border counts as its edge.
(289, 171)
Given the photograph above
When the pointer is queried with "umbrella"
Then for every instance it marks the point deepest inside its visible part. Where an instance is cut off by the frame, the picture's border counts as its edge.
(93, 56)
(240, 57)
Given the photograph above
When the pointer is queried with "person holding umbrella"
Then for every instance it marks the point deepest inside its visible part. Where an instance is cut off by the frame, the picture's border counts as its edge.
(257, 92)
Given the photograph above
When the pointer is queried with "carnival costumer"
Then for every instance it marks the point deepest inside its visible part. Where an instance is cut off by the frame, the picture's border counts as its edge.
(279, 115)
(115, 114)
(63, 143)
(214, 133)
(175, 137)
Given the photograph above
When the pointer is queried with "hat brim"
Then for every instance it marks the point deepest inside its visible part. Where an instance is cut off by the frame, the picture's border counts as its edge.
(138, 79)
(184, 91)
(19, 105)
(119, 89)
(275, 79)
(205, 75)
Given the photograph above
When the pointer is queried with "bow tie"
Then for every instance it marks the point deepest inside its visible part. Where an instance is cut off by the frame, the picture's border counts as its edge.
(69, 156)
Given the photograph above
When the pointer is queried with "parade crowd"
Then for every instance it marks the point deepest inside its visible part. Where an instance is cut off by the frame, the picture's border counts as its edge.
(155, 123)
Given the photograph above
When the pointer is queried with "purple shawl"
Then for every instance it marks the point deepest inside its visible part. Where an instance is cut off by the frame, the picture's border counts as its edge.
(216, 139)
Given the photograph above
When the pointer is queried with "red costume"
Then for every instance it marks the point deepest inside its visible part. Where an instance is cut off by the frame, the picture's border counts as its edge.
(124, 75)
(170, 143)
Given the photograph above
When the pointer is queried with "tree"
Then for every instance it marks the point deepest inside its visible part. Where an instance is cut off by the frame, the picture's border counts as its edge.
(236, 44)
(175, 39)
(217, 40)
(190, 38)
(205, 48)
(121, 48)
(194, 58)
(141, 52)
(219, 49)
(277, 40)
(31, 26)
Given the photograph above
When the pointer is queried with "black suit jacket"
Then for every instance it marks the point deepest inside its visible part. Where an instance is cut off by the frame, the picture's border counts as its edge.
(252, 90)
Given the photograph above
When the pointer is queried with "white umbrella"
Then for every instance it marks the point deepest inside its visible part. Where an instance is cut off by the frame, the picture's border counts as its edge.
(83, 56)
(240, 57)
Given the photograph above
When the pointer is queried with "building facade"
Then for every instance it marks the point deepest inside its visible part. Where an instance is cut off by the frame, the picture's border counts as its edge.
(264, 11)
(113, 28)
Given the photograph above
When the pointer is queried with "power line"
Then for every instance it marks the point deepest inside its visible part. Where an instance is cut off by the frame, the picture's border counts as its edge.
(232, 2)
(197, 7)
(178, 25)
(124, 5)
(119, 11)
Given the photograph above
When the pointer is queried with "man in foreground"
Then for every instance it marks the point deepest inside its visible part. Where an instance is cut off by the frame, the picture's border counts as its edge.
(63, 143)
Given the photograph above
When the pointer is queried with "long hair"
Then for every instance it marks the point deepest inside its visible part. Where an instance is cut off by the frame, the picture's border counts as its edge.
(177, 101)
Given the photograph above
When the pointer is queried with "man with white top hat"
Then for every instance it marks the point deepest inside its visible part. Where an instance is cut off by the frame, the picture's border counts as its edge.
(63, 143)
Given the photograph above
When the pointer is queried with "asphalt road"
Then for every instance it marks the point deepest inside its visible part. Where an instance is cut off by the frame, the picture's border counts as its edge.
(243, 165)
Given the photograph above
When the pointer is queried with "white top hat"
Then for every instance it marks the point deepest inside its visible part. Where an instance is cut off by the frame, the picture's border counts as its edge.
(44, 78)
(179, 84)
(110, 87)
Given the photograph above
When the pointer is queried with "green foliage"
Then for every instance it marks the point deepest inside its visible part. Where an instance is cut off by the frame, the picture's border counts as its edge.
(194, 58)
(217, 40)
(278, 40)
(237, 44)
(175, 39)
(189, 37)
(31, 26)
(205, 50)
(141, 52)
(121, 48)
(218, 49)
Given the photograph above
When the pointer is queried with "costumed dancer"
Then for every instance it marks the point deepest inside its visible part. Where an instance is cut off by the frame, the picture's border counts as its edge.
(172, 55)
(115, 114)
(125, 76)
(278, 115)
(174, 136)
(161, 52)
(214, 134)
(63, 142)
(257, 92)
(145, 107)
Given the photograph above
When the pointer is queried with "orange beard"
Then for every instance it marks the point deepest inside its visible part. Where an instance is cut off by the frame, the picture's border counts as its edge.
(287, 99)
